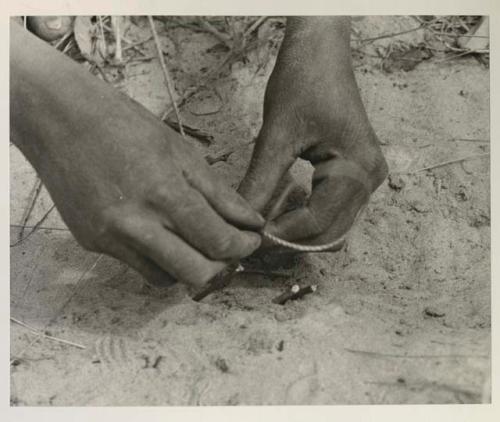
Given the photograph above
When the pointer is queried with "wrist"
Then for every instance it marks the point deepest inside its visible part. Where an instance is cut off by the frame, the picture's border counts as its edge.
(317, 44)
(320, 31)
(334, 25)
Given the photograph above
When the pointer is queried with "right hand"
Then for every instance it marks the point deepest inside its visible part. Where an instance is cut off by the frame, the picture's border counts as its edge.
(125, 183)
(313, 110)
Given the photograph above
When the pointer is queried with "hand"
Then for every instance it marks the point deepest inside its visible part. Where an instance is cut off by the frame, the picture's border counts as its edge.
(125, 184)
(313, 110)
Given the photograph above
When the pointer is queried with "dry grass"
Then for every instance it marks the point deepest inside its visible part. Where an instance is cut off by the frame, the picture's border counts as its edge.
(444, 32)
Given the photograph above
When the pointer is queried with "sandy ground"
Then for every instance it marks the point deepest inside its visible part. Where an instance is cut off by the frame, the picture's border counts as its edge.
(402, 315)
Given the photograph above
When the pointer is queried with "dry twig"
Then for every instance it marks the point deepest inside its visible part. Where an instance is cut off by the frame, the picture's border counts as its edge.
(101, 30)
(221, 156)
(220, 281)
(40, 335)
(45, 335)
(254, 26)
(215, 32)
(115, 22)
(231, 55)
(395, 34)
(27, 214)
(191, 131)
(166, 74)
(136, 43)
(35, 227)
(61, 41)
(482, 141)
(445, 163)
(424, 356)
(295, 292)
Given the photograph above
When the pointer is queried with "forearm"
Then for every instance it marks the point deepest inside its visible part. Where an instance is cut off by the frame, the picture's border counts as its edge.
(51, 97)
(317, 38)
(59, 110)
(333, 27)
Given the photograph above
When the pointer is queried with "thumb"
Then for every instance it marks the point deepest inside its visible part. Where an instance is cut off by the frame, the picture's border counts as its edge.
(271, 159)
(340, 190)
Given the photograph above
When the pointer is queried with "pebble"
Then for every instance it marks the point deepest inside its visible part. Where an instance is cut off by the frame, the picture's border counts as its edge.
(434, 312)
(396, 182)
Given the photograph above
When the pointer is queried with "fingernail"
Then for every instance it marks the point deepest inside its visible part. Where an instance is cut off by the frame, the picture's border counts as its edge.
(254, 240)
(254, 219)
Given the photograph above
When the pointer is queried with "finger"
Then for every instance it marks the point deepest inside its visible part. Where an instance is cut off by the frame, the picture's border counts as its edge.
(271, 159)
(192, 217)
(338, 194)
(152, 273)
(225, 200)
(169, 252)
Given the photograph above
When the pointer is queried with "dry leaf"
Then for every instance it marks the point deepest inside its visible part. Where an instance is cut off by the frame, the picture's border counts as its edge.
(87, 36)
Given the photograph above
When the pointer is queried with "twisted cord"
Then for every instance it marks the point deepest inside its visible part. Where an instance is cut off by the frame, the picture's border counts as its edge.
(303, 248)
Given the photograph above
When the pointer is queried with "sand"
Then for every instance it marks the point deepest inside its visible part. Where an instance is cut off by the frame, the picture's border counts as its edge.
(401, 315)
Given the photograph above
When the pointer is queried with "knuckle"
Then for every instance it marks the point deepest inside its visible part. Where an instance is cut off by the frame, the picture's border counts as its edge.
(106, 222)
(198, 275)
(160, 194)
(113, 221)
(163, 195)
(225, 246)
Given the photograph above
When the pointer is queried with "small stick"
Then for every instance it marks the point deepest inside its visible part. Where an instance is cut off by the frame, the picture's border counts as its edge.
(35, 194)
(219, 281)
(271, 274)
(463, 53)
(166, 75)
(221, 156)
(254, 26)
(63, 39)
(191, 131)
(445, 163)
(482, 141)
(101, 30)
(68, 46)
(136, 43)
(395, 34)
(115, 22)
(41, 227)
(142, 59)
(127, 40)
(296, 292)
(35, 227)
(305, 291)
(42, 334)
(215, 32)
(209, 77)
(286, 296)
(157, 362)
(393, 355)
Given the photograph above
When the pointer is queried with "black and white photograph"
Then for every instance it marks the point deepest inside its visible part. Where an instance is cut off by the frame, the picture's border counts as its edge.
(243, 210)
